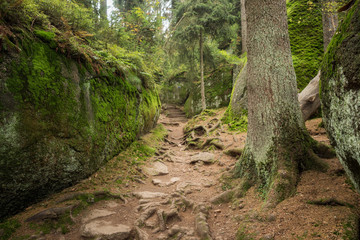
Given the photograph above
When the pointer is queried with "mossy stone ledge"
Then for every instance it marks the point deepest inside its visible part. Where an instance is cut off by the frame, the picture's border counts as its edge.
(60, 120)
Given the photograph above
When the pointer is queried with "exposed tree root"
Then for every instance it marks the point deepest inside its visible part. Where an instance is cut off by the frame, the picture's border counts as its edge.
(234, 152)
(329, 202)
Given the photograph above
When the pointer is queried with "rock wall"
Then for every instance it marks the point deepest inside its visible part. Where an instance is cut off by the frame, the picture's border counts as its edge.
(306, 38)
(61, 119)
(340, 93)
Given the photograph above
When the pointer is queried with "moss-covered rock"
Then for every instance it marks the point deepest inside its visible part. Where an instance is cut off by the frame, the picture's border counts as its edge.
(306, 38)
(340, 93)
(60, 120)
(218, 85)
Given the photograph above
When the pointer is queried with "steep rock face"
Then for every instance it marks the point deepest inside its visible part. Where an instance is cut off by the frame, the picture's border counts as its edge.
(60, 120)
(306, 38)
(340, 93)
(218, 85)
(238, 100)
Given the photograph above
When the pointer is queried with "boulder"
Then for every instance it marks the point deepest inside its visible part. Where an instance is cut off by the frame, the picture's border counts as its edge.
(100, 230)
(97, 213)
(340, 93)
(60, 120)
(156, 169)
(204, 157)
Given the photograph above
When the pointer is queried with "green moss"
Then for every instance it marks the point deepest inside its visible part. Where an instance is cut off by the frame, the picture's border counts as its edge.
(47, 37)
(306, 38)
(68, 122)
(9, 227)
(350, 228)
(44, 35)
(243, 234)
(327, 68)
(235, 122)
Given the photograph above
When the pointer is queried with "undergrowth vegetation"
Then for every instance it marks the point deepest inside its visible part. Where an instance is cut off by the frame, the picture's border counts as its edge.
(77, 31)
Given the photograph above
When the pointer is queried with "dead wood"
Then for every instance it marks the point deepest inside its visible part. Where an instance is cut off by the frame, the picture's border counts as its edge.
(51, 213)
(309, 98)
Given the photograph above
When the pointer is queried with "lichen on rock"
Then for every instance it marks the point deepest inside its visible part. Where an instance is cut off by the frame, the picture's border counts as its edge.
(340, 93)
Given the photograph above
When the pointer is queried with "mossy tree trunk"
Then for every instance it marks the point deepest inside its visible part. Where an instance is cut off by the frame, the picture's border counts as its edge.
(203, 100)
(277, 144)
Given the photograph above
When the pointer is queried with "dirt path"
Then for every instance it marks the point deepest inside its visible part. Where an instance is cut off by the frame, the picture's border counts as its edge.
(180, 199)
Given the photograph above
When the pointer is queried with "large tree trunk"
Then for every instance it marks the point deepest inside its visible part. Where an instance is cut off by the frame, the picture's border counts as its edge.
(277, 143)
(243, 27)
(203, 100)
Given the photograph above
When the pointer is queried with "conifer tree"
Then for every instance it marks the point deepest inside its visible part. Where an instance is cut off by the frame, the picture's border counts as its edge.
(194, 20)
(278, 146)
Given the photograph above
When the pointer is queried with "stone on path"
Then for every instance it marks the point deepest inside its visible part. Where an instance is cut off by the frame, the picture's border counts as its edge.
(188, 187)
(147, 195)
(97, 213)
(204, 157)
(102, 230)
(111, 204)
(158, 182)
(156, 169)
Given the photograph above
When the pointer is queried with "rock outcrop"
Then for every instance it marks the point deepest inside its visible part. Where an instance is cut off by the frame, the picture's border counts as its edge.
(62, 117)
(340, 93)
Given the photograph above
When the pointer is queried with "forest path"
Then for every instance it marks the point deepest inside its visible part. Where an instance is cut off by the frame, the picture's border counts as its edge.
(184, 198)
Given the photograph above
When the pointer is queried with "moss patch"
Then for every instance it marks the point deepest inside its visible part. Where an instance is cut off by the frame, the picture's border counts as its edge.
(306, 38)
(8, 227)
(61, 120)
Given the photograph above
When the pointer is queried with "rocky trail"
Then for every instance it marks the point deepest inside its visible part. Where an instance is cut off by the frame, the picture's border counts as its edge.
(186, 195)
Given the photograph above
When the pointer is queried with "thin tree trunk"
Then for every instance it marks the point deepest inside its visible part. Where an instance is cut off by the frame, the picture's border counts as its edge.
(203, 100)
(243, 27)
(329, 20)
(277, 142)
(103, 12)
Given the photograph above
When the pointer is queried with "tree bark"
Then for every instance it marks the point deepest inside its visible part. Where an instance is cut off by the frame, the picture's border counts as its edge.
(277, 142)
(203, 100)
(329, 20)
(243, 27)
